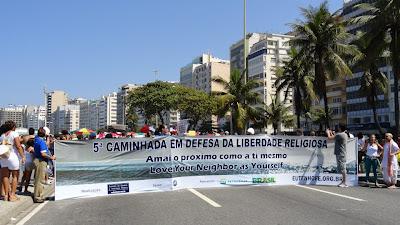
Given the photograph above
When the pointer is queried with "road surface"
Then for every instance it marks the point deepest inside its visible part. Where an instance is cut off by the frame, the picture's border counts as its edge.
(244, 205)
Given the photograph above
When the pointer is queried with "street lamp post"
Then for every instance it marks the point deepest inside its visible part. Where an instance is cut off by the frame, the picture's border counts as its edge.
(244, 41)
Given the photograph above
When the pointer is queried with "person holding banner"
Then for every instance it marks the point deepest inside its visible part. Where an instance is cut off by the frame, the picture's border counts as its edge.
(42, 156)
(389, 161)
(340, 150)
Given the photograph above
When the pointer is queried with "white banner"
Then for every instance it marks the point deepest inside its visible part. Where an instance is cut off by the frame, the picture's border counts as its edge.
(116, 166)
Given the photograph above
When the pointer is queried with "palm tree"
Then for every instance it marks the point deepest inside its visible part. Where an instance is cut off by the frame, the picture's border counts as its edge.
(278, 113)
(238, 99)
(373, 81)
(382, 18)
(296, 75)
(319, 116)
(321, 38)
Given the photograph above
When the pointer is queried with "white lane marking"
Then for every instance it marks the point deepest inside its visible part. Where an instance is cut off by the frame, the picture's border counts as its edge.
(332, 193)
(205, 198)
(31, 214)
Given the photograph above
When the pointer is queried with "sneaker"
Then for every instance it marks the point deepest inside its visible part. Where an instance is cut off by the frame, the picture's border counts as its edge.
(38, 201)
(343, 185)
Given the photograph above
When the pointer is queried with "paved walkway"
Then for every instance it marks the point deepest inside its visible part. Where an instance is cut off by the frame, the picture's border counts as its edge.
(9, 211)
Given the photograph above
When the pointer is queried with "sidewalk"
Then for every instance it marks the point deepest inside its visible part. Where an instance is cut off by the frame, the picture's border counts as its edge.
(10, 210)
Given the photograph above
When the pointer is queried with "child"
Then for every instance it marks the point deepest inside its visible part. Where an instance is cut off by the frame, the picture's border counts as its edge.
(28, 165)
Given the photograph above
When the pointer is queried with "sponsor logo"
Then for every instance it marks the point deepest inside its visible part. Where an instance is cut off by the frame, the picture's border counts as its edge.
(91, 190)
(175, 183)
(235, 182)
(207, 181)
(157, 185)
(118, 188)
(264, 180)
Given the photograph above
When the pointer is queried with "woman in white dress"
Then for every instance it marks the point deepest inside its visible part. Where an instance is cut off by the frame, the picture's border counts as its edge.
(389, 161)
(11, 165)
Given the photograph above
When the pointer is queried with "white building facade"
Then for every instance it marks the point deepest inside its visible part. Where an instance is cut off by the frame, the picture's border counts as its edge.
(122, 107)
(89, 114)
(108, 110)
(66, 118)
(265, 57)
(35, 117)
(14, 113)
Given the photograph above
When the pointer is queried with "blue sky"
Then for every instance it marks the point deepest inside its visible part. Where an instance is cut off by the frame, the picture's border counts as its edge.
(91, 47)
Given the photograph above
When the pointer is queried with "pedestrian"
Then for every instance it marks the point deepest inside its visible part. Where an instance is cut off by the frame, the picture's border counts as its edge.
(26, 178)
(42, 156)
(340, 138)
(2, 195)
(373, 151)
(11, 165)
(389, 161)
(361, 152)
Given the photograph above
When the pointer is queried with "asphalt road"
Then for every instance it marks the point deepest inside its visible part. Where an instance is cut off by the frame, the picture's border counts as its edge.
(281, 205)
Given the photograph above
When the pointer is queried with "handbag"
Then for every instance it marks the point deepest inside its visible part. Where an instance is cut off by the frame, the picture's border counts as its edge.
(5, 150)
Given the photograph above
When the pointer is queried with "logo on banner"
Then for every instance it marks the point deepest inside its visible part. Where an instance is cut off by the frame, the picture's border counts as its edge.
(175, 183)
(264, 180)
(235, 182)
(118, 188)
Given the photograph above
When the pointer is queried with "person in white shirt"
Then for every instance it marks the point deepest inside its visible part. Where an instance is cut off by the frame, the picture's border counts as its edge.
(373, 151)
(389, 161)
(10, 166)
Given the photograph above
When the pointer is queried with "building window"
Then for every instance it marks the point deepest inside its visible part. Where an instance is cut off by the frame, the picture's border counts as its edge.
(367, 119)
(337, 100)
(272, 43)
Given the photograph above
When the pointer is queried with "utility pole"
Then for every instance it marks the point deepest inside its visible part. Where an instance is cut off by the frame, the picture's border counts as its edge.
(155, 74)
(245, 53)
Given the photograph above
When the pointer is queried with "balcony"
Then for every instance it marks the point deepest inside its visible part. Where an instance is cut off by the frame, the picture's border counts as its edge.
(335, 94)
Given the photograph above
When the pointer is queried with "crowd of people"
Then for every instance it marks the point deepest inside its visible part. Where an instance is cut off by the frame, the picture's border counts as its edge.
(380, 155)
(371, 153)
(28, 153)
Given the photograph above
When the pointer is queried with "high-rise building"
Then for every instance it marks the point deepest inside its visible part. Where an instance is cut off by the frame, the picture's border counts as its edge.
(108, 110)
(54, 99)
(237, 50)
(265, 57)
(14, 113)
(121, 102)
(66, 117)
(211, 67)
(89, 114)
(359, 112)
(186, 72)
(200, 74)
(35, 117)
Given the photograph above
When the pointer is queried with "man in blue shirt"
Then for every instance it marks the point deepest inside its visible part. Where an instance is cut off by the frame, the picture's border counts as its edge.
(42, 156)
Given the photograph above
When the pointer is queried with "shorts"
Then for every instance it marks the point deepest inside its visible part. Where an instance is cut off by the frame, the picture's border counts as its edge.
(12, 163)
(387, 178)
(341, 163)
(29, 166)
